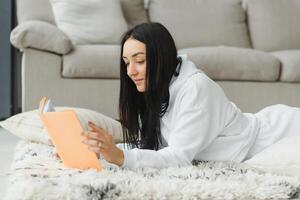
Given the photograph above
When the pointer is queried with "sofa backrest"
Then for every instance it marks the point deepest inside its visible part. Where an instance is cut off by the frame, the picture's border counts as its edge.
(274, 24)
(133, 10)
(202, 22)
(34, 10)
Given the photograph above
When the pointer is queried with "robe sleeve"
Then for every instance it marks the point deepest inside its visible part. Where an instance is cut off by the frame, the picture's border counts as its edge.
(196, 124)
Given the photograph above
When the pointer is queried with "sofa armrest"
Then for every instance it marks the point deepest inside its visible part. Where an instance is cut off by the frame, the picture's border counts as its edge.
(40, 35)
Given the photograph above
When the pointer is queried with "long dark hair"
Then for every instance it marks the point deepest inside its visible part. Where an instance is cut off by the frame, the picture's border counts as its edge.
(151, 105)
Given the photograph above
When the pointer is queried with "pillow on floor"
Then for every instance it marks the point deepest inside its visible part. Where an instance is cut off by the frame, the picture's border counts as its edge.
(28, 126)
(90, 21)
(283, 157)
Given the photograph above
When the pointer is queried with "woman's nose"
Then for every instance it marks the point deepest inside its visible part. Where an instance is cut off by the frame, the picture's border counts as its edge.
(131, 70)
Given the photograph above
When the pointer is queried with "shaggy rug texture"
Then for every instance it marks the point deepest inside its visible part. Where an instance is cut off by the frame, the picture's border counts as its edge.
(37, 174)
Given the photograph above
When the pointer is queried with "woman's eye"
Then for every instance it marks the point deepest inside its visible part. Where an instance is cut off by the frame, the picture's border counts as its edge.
(141, 62)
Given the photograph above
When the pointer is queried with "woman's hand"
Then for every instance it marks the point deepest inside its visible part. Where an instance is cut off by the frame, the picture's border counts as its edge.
(101, 142)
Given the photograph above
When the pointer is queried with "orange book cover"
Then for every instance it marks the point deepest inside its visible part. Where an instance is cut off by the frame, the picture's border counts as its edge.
(65, 130)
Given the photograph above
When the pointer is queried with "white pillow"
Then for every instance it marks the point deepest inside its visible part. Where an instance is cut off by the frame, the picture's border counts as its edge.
(28, 126)
(282, 158)
(90, 21)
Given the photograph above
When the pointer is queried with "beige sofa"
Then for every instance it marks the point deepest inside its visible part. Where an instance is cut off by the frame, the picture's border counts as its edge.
(251, 48)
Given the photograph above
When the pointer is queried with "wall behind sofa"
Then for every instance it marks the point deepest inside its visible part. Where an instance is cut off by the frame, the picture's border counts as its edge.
(5, 59)
(10, 64)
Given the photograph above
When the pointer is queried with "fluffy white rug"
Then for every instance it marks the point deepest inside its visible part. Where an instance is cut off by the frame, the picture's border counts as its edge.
(37, 174)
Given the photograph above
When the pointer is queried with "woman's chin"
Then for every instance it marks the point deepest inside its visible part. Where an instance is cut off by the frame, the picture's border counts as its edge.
(140, 89)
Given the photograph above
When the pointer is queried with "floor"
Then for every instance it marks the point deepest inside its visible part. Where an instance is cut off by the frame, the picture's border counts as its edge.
(7, 144)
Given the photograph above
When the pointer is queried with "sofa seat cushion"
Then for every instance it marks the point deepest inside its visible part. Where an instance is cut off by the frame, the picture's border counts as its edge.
(274, 24)
(92, 61)
(195, 23)
(232, 63)
(290, 65)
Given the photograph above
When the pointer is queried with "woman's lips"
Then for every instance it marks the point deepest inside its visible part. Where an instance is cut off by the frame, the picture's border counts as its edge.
(138, 81)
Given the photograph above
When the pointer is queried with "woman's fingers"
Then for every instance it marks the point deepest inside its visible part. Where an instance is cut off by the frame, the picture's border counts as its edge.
(101, 132)
(97, 150)
(91, 142)
(93, 135)
(96, 128)
(95, 143)
(101, 142)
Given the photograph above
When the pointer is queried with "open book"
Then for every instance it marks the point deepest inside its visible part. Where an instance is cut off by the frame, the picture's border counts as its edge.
(65, 130)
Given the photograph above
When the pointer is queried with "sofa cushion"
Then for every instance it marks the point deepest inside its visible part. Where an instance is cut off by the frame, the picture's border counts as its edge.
(34, 10)
(134, 12)
(40, 35)
(90, 21)
(232, 63)
(274, 24)
(92, 61)
(290, 65)
(202, 22)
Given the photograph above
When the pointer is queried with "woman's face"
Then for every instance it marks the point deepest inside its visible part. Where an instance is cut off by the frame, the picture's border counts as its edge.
(134, 56)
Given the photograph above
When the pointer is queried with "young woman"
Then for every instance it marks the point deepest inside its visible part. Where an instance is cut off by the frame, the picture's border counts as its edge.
(172, 113)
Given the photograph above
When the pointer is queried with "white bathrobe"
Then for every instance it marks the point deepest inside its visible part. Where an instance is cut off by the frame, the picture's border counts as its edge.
(201, 124)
